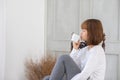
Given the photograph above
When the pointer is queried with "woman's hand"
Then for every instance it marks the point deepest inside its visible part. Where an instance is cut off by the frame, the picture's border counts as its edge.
(76, 45)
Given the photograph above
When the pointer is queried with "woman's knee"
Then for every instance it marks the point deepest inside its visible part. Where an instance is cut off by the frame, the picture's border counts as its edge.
(64, 57)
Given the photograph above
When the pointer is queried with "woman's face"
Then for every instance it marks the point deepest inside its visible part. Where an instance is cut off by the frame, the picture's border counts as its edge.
(83, 35)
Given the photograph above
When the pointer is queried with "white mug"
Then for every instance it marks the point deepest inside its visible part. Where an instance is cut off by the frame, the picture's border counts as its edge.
(75, 37)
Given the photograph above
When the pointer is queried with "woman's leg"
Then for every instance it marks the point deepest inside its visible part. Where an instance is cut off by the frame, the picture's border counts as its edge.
(64, 66)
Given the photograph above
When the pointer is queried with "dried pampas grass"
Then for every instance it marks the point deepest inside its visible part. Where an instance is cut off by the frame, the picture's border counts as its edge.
(37, 70)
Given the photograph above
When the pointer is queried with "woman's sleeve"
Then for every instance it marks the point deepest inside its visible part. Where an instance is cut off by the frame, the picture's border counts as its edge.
(89, 68)
(74, 52)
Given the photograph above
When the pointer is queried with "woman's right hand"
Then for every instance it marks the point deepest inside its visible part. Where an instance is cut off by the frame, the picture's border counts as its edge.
(76, 45)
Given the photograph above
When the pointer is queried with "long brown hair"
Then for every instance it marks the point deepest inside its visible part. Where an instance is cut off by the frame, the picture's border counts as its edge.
(95, 32)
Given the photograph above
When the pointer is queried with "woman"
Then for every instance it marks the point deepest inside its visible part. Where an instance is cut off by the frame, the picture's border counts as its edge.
(88, 63)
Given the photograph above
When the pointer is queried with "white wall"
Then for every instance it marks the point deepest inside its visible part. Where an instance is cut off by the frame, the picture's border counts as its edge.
(2, 39)
(24, 35)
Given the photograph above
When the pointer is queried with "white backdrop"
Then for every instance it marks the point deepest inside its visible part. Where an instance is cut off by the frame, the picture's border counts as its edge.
(21, 35)
(2, 38)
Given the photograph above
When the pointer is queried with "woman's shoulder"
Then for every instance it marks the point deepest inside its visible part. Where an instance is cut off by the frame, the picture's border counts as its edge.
(98, 49)
(94, 48)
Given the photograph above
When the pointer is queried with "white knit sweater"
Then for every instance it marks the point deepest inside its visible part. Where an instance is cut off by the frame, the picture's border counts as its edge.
(92, 63)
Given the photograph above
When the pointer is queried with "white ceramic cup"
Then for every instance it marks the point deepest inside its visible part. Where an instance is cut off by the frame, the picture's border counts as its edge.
(75, 37)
